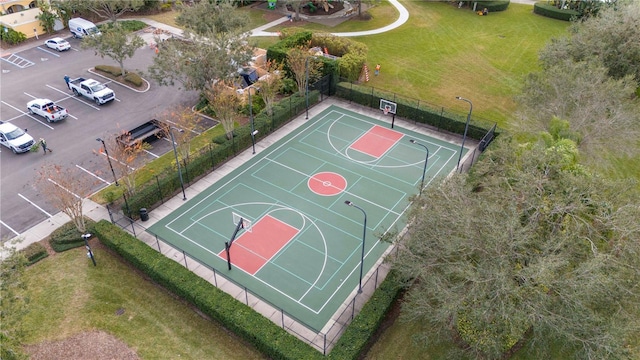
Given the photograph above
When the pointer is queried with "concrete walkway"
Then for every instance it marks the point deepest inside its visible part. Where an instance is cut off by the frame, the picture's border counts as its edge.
(404, 16)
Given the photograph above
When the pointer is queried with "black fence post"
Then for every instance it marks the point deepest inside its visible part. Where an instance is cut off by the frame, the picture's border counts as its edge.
(159, 189)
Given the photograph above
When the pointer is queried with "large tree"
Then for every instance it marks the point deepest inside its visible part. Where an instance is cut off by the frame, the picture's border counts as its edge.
(610, 38)
(215, 47)
(105, 9)
(115, 43)
(304, 66)
(598, 108)
(64, 191)
(225, 103)
(530, 248)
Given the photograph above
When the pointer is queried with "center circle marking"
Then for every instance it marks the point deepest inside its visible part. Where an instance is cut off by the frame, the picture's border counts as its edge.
(327, 183)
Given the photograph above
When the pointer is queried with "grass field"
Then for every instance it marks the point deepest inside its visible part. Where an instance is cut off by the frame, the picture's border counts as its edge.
(68, 296)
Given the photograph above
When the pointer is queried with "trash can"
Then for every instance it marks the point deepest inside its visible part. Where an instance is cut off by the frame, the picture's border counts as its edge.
(144, 215)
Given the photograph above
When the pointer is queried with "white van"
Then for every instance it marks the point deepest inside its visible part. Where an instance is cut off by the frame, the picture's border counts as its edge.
(80, 28)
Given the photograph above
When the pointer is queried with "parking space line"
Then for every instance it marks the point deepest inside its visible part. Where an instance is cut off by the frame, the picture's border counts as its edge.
(47, 51)
(92, 174)
(63, 188)
(9, 227)
(29, 116)
(76, 98)
(175, 124)
(152, 154)
(34, 205)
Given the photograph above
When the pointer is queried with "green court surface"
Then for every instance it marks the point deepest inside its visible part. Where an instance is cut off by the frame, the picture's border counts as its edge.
(302, 251)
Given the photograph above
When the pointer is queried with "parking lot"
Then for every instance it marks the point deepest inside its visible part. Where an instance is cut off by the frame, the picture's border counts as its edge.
(38, 72)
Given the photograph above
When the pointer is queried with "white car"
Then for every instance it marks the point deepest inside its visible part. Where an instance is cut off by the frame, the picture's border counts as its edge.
(58, 43)
(15, 138)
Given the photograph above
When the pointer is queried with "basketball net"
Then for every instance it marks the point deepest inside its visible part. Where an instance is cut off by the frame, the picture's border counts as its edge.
(386, 110)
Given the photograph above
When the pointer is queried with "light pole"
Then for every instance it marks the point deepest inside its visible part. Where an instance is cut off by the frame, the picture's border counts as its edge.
(175, 152)
(466, 127)
(109, 160)
(364, 234)
(426, 159)
(253, 131)
(86, 238)
(306, 84)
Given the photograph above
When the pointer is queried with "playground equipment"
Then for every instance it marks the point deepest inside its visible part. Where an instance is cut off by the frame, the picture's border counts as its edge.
(271, 4)
(326, 5)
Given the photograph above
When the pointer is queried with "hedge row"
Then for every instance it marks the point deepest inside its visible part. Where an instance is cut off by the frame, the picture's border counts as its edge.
(68, 237)
(410, 109)
(553, 12)
(130, 77)
(151, 194)
(493, 5)
(269, 338)
(34, 253)
(237, 317)
(358, 335)
(352, 54)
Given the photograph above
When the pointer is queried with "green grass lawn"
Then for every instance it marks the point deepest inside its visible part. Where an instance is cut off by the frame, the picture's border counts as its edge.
(68, 296)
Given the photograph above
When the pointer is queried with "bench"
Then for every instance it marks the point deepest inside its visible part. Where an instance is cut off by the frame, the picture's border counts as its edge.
(141, 133)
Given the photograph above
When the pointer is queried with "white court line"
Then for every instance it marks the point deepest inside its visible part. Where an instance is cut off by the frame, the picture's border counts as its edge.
(34, 205)
(92, 174)
(29, 116)
(9, 227)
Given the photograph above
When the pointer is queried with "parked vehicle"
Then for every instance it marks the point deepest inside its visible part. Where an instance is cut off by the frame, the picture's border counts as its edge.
(58, 43)
(15, 138)
(80, 28)
(47, 109)
(92, 89)
(152, 128)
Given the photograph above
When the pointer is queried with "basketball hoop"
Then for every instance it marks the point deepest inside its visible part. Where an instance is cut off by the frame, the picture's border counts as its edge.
(386, 110)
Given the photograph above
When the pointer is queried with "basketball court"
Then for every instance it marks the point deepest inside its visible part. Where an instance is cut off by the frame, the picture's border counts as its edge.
(280, 224)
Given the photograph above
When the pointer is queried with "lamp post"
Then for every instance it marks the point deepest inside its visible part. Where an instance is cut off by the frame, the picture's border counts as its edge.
(253, 131)
(109, 160)
(466, 127)
(175, 152)
(364, 233)
(86, 238)
(426, 159)
(306, 85)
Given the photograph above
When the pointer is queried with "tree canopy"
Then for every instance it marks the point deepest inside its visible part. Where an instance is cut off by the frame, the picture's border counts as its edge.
(610, 39)
(531, 246)
(115, 43)
(215, 46)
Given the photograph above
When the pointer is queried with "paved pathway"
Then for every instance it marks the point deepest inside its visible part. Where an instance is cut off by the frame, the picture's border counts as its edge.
(404, 16)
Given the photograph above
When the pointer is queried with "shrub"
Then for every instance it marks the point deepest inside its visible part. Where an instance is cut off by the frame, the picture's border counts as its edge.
(127, 25)
(11, 36)
(34, 253)
(68, 237)
(113, 70)
(493, 5)
(551, 11)
(133, 78)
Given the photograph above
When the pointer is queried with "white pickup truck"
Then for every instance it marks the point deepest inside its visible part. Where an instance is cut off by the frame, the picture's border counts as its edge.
(15, 138)
(47, 109)
(92, 89)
